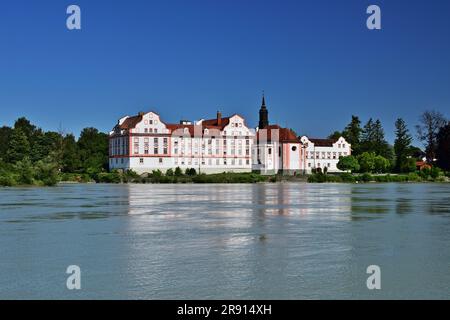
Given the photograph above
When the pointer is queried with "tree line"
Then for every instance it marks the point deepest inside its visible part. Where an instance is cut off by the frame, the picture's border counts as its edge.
(32, 156)
(372, 153)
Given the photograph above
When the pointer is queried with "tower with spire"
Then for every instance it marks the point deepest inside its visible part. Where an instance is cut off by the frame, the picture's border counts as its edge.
(263, 114)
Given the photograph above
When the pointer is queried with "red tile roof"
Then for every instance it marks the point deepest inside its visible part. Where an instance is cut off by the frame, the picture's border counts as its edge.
(275, 132)
(131, 122)
(323, 142)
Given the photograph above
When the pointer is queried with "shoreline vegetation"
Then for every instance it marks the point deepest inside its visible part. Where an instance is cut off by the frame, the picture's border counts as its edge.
(30, 156)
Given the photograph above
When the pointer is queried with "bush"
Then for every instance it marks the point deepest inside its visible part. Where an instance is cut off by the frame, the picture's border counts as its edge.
(7, 179)
(109, 177)
(178, 172)
(347, 177)
(169, 172)
(414, 177)
(366, 177)
(190, 172)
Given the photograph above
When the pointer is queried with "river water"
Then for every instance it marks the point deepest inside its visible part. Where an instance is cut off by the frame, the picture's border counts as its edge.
(239, 241)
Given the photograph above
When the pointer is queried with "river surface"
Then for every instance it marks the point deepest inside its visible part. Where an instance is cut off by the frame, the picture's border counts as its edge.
(240, 241)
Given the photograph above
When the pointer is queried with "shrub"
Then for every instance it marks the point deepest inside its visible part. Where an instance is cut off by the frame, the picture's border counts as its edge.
(7, 179)
(366, 177)
(191, 172)
(348, 163)
(347, 177)
(413, 177)
(169, 172)
(109, 177)
(178, 172)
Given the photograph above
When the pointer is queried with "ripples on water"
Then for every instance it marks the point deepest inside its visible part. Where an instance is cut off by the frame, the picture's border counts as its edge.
(265, 241)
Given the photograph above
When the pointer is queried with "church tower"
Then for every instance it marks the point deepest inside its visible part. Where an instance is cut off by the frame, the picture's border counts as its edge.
(263, 115)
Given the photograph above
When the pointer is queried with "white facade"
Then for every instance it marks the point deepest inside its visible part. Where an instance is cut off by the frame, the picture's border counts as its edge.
(323, 153)
(277, 150)
(144, 143)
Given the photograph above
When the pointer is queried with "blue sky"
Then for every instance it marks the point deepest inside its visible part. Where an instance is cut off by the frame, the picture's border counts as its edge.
(316, 61)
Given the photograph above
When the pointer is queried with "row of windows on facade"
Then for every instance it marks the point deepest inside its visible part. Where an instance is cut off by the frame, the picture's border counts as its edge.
(176, 151)
(328, 165)
(323, 155)
(210, 162)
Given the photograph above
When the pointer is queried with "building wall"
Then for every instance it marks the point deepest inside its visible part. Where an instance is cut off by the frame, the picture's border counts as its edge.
(152, 146)
(324, 156)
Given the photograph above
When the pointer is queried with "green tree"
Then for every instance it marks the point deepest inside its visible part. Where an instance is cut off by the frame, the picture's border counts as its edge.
(26, 127)
(190, 172)
(348, 163)
(25, 171)
(19, 146)
(366, 161)
(430, 122)
(402, 145)
(93, 149)
(409, 165)
(178, 172)
(381, 164)
(381, 146)
(70, 155)
(443, 147)
(335, 135)
(46, 171)
(5, 137)
(368, 136)
(352, 133)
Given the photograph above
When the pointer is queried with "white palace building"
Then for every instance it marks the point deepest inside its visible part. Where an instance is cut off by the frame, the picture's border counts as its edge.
(144, 143)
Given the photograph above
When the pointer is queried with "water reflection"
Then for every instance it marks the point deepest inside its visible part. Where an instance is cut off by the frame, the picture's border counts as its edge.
(261, 241)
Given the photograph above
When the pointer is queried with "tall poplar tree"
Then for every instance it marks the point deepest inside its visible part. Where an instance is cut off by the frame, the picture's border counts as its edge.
(402, 145)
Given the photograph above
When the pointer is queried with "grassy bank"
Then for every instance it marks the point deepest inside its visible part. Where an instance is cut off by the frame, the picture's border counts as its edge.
(434, 176)
(189, 176)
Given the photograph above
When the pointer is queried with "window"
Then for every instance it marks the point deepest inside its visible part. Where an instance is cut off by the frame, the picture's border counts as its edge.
(247, 162)
(294, 148)
(146, 130)
(160, 160)
(165, 150)
(155, 140)
(328, 164)
(270, 150)
(155, 150)
(156, 130)
(141, 160)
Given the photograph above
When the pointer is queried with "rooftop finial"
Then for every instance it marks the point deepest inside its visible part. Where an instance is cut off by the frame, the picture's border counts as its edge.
(263, 99)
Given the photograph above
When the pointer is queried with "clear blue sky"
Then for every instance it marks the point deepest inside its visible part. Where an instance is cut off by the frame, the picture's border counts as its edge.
(316, 61)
